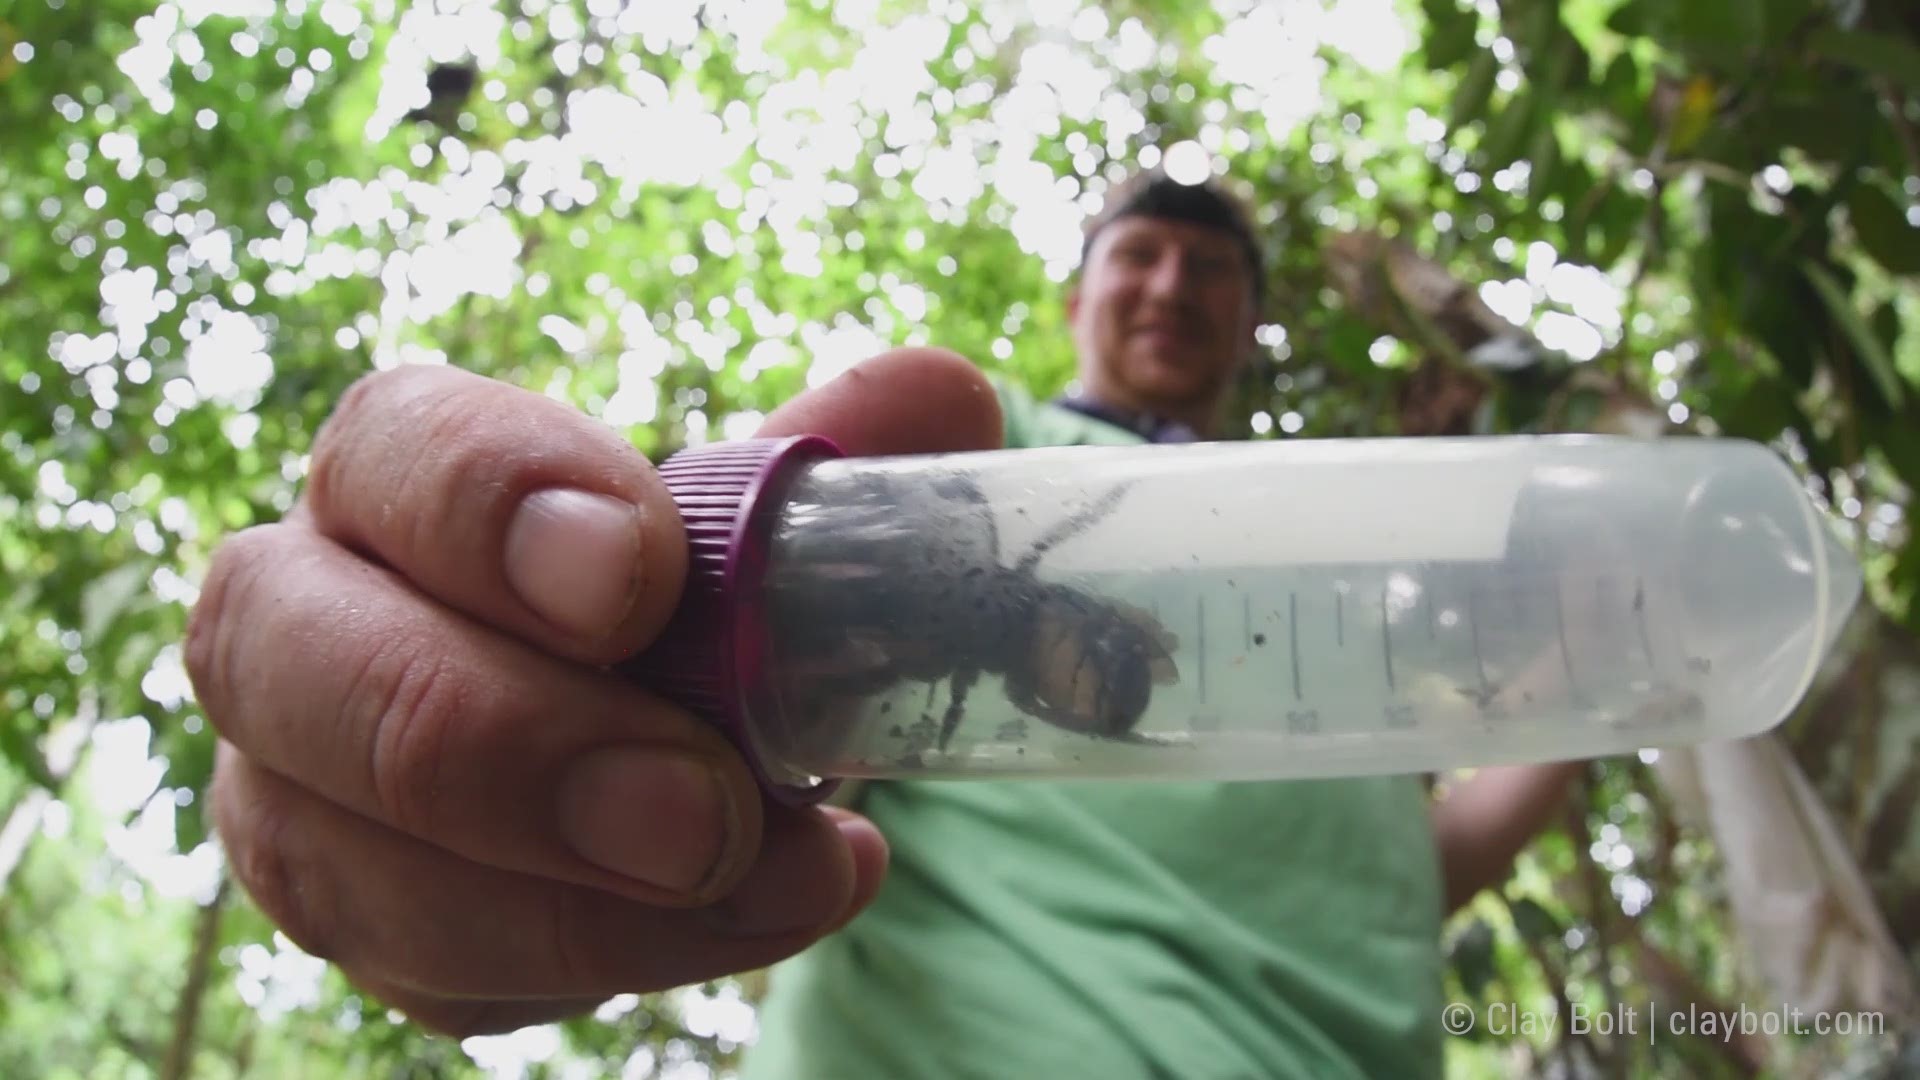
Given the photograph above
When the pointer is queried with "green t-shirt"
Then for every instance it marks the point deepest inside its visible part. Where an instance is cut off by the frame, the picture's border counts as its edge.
(1112, 930)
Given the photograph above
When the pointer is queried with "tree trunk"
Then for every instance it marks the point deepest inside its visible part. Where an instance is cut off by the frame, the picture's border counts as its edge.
(186, 1011)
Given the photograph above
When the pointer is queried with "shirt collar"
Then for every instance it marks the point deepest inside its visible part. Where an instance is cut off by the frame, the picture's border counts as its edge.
(1152, 428)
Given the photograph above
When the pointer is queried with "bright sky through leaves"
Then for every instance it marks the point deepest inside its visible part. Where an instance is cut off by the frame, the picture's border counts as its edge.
(807, 125)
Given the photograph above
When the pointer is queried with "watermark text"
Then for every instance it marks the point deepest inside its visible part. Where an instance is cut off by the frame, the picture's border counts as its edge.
(1654, 1021)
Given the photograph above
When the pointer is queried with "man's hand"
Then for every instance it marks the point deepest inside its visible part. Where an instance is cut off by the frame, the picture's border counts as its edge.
(1484, 824)
(425, 773)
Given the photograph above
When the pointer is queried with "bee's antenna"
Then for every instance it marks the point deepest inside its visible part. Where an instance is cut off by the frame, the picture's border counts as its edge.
(1073, 526)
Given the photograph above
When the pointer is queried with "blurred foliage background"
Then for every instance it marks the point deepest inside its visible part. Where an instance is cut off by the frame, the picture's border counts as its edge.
(1485, 216)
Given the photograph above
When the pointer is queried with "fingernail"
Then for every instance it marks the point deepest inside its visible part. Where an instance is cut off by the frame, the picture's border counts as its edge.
(574, 557)
(859, 833)
(652, 814)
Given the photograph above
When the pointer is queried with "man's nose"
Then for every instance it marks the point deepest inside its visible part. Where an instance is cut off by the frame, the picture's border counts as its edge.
(1170, 278)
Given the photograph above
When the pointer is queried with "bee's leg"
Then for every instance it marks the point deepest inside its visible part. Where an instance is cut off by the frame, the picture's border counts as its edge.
(962, 682)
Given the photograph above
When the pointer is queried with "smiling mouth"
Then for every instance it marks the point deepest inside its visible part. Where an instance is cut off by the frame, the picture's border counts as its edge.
(1164, 346)
(1163, 335)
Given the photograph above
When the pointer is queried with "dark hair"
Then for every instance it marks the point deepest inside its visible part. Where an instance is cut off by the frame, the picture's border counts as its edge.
(1154, 194)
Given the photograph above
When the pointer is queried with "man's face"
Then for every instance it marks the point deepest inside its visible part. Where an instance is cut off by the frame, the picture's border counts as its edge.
(1163, 314)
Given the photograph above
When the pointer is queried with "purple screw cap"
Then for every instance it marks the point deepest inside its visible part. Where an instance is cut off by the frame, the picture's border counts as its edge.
(711, 658)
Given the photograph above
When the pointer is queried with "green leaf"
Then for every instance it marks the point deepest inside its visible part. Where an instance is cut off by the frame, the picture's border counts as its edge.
(1621, 213)
(1881, 227)
(1509, 129)
(1532, 25)
(190, 825)
(108, 597)
(1471, 953)
(21, 596)
(132, 658)
(1760, 411)
(1544, 157)
(19, 746)
(1635, 18)
(1475, 87)
(1736, 25)
(1829, 126)
(1451, 37)
(1620, 88)
(1719, 31)
(1904, 580)
(1899, 442)
(1533, 921)
(190, 766)
(1877, 54)
(1866, 345)
(1781, 17)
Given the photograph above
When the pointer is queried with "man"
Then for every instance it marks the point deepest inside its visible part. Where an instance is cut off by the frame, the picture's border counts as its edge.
(427, 775)
(1151, 929)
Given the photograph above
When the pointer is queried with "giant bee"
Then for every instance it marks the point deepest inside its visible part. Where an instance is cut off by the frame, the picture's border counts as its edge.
(895, 579)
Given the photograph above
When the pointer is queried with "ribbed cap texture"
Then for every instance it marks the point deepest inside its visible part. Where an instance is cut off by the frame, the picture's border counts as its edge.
(710, 655)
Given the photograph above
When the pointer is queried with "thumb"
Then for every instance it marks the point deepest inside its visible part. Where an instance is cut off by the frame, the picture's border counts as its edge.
(907, 401)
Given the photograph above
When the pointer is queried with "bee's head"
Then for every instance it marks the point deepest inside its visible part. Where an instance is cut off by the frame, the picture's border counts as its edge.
(1096, 664)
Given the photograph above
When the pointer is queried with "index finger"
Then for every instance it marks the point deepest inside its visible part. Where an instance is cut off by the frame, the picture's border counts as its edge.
(907, 401)
(501, 503)
(542, 522)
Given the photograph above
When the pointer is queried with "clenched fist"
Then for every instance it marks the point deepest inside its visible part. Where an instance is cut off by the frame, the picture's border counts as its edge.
(427, 774)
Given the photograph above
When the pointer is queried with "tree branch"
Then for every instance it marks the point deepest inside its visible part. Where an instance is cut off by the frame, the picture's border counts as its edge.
(1599, 909)
(1562, 1001)
(1903, 128)
(1747, 1053)
(186, 1015)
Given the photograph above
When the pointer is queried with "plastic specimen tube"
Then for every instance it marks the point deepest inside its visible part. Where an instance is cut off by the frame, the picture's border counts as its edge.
(1245, 610)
